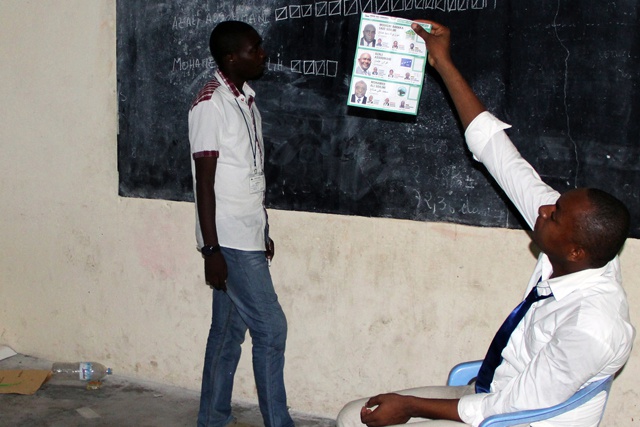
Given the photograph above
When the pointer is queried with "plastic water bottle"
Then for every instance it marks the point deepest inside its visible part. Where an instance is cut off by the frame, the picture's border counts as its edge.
(83, 371)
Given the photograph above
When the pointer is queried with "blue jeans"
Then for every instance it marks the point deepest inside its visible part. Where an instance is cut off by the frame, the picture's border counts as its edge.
(250, 302)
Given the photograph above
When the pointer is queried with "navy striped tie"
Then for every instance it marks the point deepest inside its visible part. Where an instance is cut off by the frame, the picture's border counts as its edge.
(494, 355)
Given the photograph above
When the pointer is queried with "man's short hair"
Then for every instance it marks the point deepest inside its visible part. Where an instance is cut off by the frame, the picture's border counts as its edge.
(603, 230)
(225, 39)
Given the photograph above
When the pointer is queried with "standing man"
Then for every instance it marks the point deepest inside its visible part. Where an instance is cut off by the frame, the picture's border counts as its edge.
(578, 329)
(225, 133)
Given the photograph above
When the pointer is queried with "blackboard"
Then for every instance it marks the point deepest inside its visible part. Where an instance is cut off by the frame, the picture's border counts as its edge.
(564, 74)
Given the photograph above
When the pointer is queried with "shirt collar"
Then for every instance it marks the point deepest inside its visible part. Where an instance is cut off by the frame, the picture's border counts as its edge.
(564, 285)
(250, 94)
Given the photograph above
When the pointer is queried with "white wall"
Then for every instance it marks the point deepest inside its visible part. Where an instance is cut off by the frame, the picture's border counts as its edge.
(373, 304)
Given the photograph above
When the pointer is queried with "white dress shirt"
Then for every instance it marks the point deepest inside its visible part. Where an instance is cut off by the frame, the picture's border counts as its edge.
(579, 335)
(360, 70)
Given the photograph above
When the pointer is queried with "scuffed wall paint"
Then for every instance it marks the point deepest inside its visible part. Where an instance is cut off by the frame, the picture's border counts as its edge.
(373, 304)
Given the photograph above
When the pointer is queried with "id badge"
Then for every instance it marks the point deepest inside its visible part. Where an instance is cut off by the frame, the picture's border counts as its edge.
(257, 183)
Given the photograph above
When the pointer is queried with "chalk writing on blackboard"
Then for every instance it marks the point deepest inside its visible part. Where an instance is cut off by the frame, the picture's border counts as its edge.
(565, 77)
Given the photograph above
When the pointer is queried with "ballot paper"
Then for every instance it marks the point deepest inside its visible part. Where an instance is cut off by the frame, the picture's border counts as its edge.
(389, 65)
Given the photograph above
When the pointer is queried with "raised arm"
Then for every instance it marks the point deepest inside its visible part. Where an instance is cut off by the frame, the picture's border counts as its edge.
(467, 103)
(394, 408)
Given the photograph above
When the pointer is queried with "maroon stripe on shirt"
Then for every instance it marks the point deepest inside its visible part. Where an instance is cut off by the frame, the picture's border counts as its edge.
(206, 92)
(201, 154)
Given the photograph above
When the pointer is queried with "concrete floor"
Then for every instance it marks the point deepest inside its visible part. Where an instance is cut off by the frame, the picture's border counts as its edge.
(120, 402)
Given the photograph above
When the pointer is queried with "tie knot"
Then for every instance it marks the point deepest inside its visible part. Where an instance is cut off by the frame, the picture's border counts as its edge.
(534, 296)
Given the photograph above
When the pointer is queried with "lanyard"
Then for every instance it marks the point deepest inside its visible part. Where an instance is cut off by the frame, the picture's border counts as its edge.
(255, 132)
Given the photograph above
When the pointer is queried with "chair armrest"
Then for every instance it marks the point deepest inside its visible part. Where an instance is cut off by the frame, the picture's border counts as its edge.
(526, 417)
(463, 373)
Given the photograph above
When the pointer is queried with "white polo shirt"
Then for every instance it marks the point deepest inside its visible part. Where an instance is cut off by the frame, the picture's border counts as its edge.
(226, 124)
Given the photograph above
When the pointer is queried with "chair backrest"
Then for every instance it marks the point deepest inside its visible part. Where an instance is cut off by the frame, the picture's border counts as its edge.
(579, 398)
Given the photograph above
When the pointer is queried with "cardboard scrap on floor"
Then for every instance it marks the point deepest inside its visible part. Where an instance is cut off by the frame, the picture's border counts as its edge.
(22, 381)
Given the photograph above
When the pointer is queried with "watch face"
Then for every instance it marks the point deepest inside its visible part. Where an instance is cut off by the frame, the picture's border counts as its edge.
(209, 250)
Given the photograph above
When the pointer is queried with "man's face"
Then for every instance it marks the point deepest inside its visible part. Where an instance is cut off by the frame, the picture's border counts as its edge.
(369, 33)
(361, 89)
(248, 61)
(365, 61)
(554, 228)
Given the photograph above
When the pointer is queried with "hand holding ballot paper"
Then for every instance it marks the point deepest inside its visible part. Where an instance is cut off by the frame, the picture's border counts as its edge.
(388, 72)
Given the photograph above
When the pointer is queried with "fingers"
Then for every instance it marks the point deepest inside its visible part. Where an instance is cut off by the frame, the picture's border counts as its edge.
(419, 29)
(374, 401)
(369, 417)
(437, 30)
(366, 415)
(437, 41)
(270, 251)
(218, 285)
(215, 272)
(222, 281)
(364, 411)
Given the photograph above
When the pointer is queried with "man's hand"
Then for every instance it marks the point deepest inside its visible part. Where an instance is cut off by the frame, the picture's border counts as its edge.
(215, 271)
(392, 409)
(438, 42)
(270, 250)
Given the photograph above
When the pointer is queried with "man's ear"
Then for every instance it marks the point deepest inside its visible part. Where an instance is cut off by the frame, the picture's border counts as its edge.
(577, 254)
(228, 60)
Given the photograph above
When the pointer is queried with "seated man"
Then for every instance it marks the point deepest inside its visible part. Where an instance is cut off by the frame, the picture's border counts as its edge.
(577, 331)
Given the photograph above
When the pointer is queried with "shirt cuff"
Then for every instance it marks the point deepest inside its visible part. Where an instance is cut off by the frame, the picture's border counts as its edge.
(480, 131)
(469, 408)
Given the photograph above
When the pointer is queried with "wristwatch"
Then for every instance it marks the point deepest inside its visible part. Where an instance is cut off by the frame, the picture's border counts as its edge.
(208, 250)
